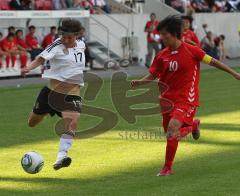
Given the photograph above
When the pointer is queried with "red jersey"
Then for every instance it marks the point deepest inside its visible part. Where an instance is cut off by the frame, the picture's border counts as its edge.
(1, 44)
(179, 70)
(21, 42)
(154, 26)
(190, 35)
(31, 41)
(9, 45)
(48, 39)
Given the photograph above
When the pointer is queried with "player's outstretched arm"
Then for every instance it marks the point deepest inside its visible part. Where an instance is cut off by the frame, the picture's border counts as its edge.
(34, 64)
(148, 78)
(218, 64)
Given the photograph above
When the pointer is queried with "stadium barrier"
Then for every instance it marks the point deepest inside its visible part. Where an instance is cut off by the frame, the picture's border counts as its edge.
(21, 19)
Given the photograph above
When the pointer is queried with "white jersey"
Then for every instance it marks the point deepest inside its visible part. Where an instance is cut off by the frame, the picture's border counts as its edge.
(66, 64)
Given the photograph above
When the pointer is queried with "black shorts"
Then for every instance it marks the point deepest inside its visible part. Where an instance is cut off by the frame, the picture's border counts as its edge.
(51, 102)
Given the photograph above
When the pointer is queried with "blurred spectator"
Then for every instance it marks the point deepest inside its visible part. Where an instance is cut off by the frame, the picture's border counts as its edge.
(102, 5)
(10, 46)
(89, 58)
(32, 42)
(85, 4)
(27, 4)
(59, 4)
(188, 35)
(2, 53)
(176, 4)
(200, 6)
(20, 40)
(20, 4)
(209, 46)
(153, 38)
(233, 5)
(16, 4)
(207, 42)
(69, 3)
(139, 6)
(22, 46)
(48, 39)
(222, 47)
(129, 3)
(204, 5)
(11, 29)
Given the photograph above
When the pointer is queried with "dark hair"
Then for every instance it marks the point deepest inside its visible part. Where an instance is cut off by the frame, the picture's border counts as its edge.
(217, 41)
(11, 27)
(189, 18)
(53, 28)
(222, 37)
(1, 34)
(10, 35)
(209, 32)
(70, 25)
(172, 24)
(31, 27)
(19, 30)
(153, 14)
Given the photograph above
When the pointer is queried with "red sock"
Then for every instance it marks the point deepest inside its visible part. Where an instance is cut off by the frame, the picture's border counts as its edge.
(13, 60)
(172, 145)
(7, 61)
(171, 148)
(184, 131)
(23, 60)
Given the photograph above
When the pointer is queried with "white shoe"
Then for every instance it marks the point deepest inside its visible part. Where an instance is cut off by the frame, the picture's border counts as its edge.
(14, 69)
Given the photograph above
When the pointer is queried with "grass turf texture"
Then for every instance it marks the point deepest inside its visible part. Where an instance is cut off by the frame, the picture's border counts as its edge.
(111, 165)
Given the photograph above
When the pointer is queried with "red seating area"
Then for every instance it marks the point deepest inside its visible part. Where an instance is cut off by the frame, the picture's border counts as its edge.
(39, 5)
(4, 5)
(43, 5)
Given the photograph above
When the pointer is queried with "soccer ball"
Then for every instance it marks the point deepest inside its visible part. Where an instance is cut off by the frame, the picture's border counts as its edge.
(32, 162)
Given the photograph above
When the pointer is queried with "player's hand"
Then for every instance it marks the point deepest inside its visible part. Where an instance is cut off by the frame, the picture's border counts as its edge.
(237, 76)
(25, 70)
(135, 83)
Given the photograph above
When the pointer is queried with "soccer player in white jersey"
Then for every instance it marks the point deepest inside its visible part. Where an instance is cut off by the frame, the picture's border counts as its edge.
(62, 94)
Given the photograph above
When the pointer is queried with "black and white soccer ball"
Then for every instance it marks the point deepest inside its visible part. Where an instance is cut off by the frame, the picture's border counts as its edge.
(32, 162)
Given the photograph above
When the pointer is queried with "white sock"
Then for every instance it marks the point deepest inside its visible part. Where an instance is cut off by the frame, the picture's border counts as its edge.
(64, 145)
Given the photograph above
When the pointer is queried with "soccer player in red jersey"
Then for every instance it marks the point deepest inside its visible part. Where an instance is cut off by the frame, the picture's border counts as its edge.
(31, 39)
(49, 38)
(178, 66)
(152, 44)
(32, 43)
(2, 53)
(10, 46)
(22, 46)
(189, 36)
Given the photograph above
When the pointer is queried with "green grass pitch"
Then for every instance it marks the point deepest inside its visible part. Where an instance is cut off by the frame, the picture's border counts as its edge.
(112, 165)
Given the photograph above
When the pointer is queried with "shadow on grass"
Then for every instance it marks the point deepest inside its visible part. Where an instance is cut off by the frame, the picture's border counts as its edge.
(220, 127)
(208, 174)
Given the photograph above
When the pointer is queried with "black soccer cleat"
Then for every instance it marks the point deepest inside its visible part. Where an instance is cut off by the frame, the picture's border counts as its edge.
(65, 162)
(196, 129)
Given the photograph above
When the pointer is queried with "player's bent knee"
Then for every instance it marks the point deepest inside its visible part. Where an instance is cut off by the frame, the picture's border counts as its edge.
(73, 125)
(34, 119)
(174, 125)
